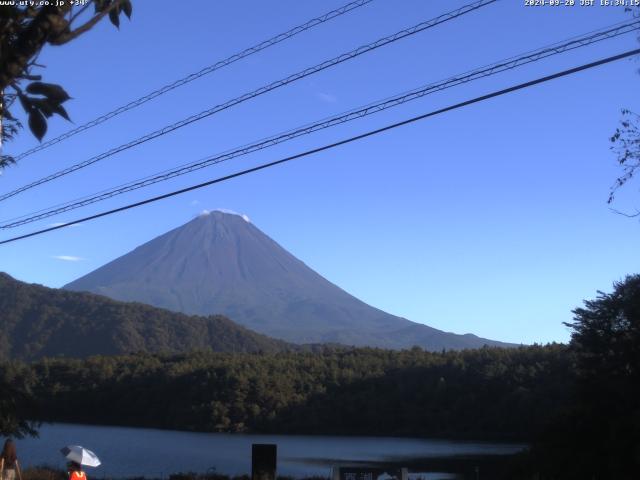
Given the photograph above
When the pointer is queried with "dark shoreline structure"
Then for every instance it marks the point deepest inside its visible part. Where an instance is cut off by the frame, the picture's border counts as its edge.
(495, 467)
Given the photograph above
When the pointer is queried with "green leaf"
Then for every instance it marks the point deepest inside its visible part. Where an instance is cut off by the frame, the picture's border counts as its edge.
(127, 8)
(100, 5)
(49, 90)
(42, 105)
(114, 17)
(37, 123)
(59, 109)
(9, 11)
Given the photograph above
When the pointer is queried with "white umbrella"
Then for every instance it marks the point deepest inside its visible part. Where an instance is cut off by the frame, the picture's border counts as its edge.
(80, 455)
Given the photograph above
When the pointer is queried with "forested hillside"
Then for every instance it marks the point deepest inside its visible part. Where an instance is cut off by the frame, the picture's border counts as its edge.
(36, 321)
(487, 393)
(576, 405)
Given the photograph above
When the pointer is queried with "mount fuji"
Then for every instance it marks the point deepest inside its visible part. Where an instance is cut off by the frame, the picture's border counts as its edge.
(220, 263)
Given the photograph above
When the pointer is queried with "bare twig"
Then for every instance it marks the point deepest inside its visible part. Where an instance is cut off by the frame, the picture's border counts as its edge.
(628, 215)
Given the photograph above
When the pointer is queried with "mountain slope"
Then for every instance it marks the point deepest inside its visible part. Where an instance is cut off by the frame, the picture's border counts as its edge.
(221, 263)
(36, 321)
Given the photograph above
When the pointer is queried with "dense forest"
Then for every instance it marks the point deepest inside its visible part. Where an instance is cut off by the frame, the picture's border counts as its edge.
(576, 405)
(37, 322)
(487, 393)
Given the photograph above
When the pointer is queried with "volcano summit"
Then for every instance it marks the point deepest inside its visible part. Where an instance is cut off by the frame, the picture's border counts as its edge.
(220, 263)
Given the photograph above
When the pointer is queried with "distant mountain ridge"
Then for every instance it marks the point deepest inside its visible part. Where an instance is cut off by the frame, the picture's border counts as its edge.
(37, 321)
(221, 263)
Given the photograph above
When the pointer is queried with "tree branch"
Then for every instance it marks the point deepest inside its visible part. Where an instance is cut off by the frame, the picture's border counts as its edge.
(64, 38)
(628, 215)
(30, 42)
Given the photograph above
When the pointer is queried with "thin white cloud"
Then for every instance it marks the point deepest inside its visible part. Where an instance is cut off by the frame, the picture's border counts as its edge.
(327, 97)
(68, 258)
(60, 224)
(194, 203)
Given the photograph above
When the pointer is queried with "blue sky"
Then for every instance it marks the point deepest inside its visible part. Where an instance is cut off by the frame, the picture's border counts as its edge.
(490, 219)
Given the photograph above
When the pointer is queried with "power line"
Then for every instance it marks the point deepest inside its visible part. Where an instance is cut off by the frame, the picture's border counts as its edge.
(370, 133)
(495, 68)
(194, 76)
(260, 91)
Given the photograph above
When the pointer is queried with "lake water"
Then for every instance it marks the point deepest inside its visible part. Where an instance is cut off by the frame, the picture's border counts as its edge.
(129, 452)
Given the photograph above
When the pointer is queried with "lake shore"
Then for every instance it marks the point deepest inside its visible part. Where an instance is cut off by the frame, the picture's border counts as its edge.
(159, 454)
(496, 467)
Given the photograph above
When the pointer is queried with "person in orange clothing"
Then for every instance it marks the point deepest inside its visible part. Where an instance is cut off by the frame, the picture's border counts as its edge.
(75, 471)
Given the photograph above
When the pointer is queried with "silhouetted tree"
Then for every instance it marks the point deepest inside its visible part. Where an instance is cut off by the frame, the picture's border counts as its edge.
(606, 341)
(600, 437)
(626, 143)
(24, 31)
(626, 140)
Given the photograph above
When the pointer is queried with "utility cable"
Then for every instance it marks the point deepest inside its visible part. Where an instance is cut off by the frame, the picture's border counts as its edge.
(345, 141)
(193, 76)
(260, 91)
(495, 68)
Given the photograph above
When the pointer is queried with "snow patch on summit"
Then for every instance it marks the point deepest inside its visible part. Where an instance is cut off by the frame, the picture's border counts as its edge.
(205, 213)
